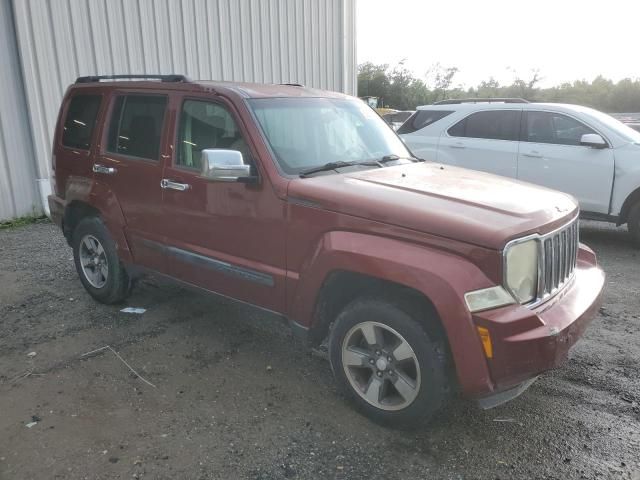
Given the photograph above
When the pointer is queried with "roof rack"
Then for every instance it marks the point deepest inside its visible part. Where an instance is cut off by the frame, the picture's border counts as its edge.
(456, 101)
(164, 78)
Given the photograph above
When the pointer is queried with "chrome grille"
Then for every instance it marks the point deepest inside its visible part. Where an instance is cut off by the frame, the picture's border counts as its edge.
(559, 253)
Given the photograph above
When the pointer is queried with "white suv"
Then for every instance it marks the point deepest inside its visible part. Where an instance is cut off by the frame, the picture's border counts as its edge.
(577, 150)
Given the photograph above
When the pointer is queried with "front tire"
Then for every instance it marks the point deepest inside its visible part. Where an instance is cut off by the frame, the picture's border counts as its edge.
(391, 368)
(97, 263)
(633, 224)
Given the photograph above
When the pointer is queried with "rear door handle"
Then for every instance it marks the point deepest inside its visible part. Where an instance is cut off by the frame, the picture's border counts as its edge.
(97, 168)
(170, 184)
(457, 145)
(533, 154)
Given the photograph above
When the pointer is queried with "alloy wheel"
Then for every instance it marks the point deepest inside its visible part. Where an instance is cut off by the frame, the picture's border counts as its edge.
(381, 366)
(93, 260)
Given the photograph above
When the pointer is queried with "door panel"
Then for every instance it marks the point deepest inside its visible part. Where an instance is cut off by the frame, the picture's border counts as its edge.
(130, 167)
(551, 155)
(485, 141)
(423, 145)
(226, 237)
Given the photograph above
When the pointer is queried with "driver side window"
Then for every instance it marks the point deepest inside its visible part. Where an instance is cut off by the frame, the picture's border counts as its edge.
(553, 128)
(207, 125)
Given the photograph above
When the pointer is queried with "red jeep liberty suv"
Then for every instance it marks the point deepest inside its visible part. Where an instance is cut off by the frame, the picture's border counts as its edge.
(425, 279)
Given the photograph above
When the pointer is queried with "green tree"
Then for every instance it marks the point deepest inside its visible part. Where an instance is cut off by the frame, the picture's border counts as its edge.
(625, 97)
(373, 80)
(405, 91)
(487, 89)
(440, 79)
(399, 88)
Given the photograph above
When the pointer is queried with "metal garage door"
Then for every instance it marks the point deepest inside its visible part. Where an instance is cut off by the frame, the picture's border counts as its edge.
(18, 191)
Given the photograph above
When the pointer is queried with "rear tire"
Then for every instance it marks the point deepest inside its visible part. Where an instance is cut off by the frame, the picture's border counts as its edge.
(387, 364)
(97, 263)
(633, 224)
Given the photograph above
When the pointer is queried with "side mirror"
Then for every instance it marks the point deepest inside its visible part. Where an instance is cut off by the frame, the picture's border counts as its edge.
(593, 140)
(224, 165)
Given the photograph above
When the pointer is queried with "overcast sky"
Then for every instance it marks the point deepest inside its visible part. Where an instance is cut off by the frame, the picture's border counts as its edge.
(565, 39)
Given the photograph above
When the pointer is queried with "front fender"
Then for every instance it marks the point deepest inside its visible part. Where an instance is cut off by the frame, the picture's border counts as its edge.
(626, 181)
(442, 277)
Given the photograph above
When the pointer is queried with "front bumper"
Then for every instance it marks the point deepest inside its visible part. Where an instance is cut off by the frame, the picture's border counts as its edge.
(527, 342)
(504, 396)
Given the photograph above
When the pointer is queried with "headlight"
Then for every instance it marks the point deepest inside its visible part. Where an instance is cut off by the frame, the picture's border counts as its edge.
(521, 270)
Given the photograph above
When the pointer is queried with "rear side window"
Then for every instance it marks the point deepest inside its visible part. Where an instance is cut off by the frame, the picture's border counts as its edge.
(421, 119)
(494, 125)
(136, 126)
(81, 118)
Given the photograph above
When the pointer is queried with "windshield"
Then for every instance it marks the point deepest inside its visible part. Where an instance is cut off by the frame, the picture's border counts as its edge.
(616, 125)
(310, 132)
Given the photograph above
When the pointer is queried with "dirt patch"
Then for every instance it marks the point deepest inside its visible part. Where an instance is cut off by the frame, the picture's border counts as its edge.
(237, 397)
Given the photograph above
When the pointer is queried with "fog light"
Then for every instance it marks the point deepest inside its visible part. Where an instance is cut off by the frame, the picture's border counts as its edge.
(487, 298)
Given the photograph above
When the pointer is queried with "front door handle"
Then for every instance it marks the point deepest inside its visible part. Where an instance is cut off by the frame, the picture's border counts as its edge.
(170, 184)
(97, 168)
(457, 145)
(532, 154)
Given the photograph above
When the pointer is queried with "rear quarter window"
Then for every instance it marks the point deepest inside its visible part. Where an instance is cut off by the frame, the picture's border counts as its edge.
(421, 119)
(493, 125)
(80, 121)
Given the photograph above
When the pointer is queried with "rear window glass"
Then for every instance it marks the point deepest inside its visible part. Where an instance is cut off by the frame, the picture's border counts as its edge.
(81, 118)
(136, 126)
(494, 125)
(421, 119)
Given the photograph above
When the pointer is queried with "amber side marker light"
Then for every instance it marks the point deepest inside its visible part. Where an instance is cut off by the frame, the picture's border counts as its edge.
(486, 341)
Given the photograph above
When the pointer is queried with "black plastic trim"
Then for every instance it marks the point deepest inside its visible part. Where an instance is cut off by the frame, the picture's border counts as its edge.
(173, 78)
(457, 101)
(500, 397)
(223, 267)
(212, 263)
(601, 217)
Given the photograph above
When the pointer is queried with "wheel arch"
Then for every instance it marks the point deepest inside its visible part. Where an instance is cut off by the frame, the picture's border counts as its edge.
(349, 264)
(340, 287)
(74, 212)
(96, 200)
(629, 202)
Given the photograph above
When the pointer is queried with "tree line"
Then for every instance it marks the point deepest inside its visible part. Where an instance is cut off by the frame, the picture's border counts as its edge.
(398, 88)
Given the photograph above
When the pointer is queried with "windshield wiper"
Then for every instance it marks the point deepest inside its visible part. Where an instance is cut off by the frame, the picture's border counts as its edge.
(339, 164)
(369, 163)
(326, 167)
(393, 158)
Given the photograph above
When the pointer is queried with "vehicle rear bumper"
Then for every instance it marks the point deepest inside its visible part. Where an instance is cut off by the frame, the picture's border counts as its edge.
(56, 209)
(527, 342)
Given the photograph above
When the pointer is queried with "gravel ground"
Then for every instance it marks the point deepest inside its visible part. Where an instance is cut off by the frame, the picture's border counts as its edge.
(236, 396)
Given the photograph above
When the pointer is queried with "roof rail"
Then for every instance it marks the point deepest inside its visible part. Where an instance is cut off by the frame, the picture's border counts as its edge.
(455, 101)
(293, 84)
(164, 78)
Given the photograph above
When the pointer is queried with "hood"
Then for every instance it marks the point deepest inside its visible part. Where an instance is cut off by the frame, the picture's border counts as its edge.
(464, 205)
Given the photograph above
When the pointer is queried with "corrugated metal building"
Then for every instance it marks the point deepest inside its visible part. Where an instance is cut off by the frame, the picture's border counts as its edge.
(51, 42)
